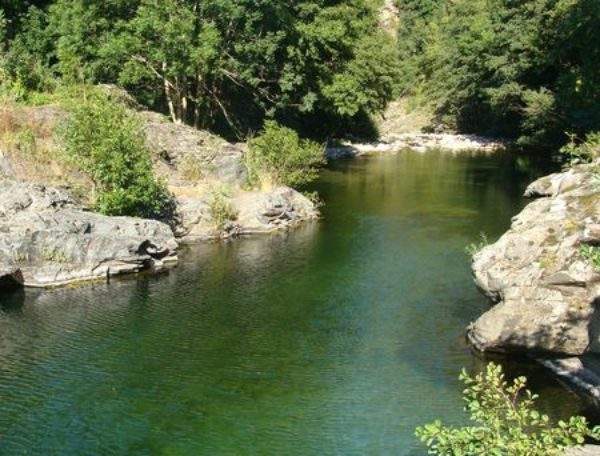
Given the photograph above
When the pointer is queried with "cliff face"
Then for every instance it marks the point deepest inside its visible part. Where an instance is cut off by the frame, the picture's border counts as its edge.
(545, 289)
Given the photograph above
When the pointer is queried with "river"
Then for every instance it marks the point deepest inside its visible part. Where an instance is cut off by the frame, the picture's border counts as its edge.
(336, 338)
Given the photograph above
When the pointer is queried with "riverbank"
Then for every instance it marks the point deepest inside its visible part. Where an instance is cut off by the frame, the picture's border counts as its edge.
(417, 141)
(543, 280)
(50, 235)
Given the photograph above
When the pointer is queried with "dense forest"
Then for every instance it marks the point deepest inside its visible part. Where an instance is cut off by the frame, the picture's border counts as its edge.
(220, 64)
(525, 70)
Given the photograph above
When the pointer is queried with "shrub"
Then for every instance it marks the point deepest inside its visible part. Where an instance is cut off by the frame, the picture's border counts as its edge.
(279, 157)
(221, 210)
(106, 141)
(505, 422)
(578, 151)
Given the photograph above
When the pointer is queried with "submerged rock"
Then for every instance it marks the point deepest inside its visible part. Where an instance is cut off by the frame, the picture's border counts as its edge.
(47, 240)
(546, 292)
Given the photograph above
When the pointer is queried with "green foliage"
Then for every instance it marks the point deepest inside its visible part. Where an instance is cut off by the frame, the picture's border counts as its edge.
(592, 254)
(476, 247)
(279, 157)
(221, 210)
(526, 70)
(585, 151)
(106, 141)
(225, 64)
(505, 422)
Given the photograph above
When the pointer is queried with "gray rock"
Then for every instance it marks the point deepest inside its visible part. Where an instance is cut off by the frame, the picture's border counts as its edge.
(546, 292)
(184, 154)
(197, 163)
(258, 212)
(585, 450)
(46, 240)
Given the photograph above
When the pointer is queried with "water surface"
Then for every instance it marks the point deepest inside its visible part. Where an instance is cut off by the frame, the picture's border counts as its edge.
(336, 338)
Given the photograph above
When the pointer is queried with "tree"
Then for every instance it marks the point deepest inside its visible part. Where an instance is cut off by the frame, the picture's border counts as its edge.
(234, 63)
(523, 70)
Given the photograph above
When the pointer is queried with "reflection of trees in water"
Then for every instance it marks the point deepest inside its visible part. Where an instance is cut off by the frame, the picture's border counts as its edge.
(483, 189)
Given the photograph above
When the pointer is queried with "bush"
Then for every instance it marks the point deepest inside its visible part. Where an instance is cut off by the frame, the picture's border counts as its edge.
(106, 141)
(279, 157)
(505, 422)
(585, 151)
(221, 209)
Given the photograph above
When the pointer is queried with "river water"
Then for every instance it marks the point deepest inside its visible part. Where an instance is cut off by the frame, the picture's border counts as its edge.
(336, 338)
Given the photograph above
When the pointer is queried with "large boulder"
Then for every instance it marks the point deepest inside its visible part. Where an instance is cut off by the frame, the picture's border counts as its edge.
(46, 240)
(545, 292)
(257, 212)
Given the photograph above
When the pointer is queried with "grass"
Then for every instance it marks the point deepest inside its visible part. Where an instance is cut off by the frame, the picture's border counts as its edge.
(54, 254)
(192, 167)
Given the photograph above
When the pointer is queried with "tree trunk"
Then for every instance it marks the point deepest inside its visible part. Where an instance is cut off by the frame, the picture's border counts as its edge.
(168, 94)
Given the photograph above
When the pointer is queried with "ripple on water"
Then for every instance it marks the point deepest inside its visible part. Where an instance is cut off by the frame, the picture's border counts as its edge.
(336, 338)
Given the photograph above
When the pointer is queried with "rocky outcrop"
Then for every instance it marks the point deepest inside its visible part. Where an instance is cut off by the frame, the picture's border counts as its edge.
(194, 163)
(546, 293)
(197, 165)
(185, 155)
(47, 240)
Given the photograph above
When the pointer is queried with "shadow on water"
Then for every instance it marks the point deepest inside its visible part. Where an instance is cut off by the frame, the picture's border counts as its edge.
(12, 301)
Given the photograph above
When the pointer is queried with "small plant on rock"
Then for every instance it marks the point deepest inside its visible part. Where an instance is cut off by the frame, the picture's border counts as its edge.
(221, 209)
(582, 151)
(592, 254)
(476, 247)
(505, 422)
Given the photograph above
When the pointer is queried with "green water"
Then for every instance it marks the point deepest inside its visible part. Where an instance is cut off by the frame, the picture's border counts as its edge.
(337, 338)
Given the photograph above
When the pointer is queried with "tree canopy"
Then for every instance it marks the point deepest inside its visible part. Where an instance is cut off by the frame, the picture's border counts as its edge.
(528, 70)
(215, 63)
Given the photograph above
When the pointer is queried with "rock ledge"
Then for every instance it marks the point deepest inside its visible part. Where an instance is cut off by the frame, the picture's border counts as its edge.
(545, 293)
